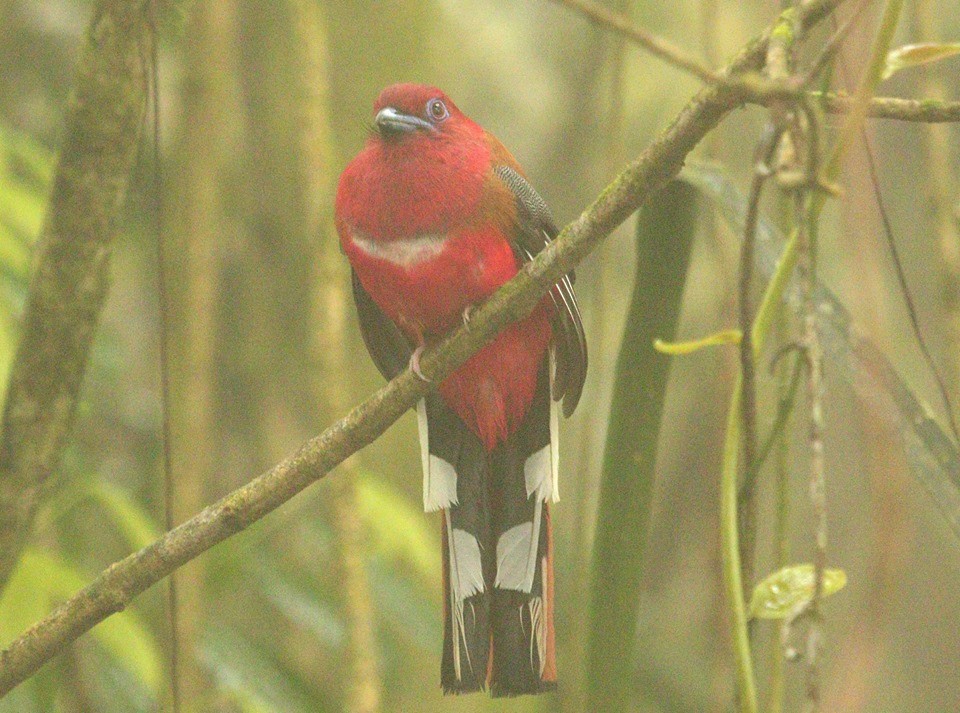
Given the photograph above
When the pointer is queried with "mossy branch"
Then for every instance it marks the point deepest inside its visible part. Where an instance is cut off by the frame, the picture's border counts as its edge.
(112, 590)
(923, 111)
(70, 278)
(765, 93)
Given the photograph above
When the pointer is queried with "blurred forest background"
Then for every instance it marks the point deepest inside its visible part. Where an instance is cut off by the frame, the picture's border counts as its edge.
(333, 602)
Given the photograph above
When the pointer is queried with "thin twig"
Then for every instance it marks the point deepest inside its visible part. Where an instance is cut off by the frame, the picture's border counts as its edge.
(748, 407)
(777, 66)
(113, 589)
(808, 210)
(780, 49)
(780, 420)
(921, 111)
(942, 186)
(813, 350)
(330, 312)
(833, 45)
(914, 110)
(781, 531)
(163, 307)
(655, 45)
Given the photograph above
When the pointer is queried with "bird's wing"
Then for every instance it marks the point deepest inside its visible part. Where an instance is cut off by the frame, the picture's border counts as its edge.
(536, 230)
(388, 348)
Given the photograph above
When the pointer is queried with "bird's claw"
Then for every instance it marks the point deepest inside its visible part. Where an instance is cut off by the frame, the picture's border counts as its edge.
(415, 364)
(468, 312)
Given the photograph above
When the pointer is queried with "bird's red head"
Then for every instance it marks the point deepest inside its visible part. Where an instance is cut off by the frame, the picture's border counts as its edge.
(407, 111)
(423, 169)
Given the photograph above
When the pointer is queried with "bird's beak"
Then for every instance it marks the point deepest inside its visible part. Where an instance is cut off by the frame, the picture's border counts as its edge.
(390, 122)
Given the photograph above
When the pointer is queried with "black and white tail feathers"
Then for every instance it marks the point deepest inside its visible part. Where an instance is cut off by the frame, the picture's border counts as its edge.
(497, 550)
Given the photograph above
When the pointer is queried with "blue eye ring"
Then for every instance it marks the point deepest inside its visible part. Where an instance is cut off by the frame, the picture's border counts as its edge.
(437, 111)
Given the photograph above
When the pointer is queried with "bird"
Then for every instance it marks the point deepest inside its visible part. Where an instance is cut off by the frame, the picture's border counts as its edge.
(434, 215)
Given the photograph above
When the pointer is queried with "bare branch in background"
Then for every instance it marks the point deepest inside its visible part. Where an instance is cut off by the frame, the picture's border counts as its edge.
(331, 312)
(833, 45)
(923, 111)
(190, 274)
(71, 274)
(814, 354)
(655, 45)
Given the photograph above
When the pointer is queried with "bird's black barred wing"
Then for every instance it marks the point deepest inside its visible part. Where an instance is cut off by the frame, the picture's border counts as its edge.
(537, 229)
(388, 348)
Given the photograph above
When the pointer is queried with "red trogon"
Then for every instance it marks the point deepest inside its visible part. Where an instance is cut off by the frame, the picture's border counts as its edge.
(434, 215)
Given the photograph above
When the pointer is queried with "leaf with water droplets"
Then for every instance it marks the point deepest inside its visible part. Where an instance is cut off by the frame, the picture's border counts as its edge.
(788, 590)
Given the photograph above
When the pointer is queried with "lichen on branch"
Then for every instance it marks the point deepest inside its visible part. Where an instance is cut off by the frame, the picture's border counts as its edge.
(70, 277)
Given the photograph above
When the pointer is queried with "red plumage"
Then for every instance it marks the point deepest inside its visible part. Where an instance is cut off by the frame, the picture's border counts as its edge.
(397, 190)
(435, 215)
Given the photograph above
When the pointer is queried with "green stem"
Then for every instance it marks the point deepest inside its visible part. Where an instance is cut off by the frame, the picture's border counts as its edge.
(729, 540)
(784, 409)
(772, 301)
(730, 550)
(861, 99)
(777, 679)
(769, 308)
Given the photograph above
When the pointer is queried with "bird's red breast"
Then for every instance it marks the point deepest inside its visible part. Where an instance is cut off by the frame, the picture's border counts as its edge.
(428, 227)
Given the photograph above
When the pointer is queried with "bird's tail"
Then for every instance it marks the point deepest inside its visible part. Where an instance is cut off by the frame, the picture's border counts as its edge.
(497, 547)
(523, 483)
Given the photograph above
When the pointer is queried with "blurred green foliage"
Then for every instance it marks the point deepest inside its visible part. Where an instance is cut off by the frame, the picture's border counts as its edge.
(26, 170)
(41, 580)
(573, 105)
(629, 459)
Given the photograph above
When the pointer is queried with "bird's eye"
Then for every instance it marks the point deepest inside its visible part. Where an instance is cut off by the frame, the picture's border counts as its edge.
(437, 110)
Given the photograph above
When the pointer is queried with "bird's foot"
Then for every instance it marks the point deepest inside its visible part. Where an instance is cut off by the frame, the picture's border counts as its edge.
(468, 313)
(415, 364)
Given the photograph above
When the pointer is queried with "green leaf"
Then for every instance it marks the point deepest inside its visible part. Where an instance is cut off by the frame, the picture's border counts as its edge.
(22, 604)
(721, 338)
(403, 605)
(788, 590)
(914, 55)
(246, 675)
(665, 231)
(8, 342)
(30, 158)
(42, 580)
(305, 608)
(397, 528)
(134, 523)
(26, 170)
(933, 456)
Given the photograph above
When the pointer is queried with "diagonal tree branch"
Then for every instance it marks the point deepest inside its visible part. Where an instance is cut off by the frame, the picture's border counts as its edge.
(121, 582)
(70, 279)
